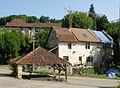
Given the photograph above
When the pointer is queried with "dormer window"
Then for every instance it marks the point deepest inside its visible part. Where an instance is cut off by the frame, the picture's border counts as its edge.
(69, 46)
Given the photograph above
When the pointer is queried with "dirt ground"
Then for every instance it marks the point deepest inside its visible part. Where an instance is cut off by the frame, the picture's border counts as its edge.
(6, 81)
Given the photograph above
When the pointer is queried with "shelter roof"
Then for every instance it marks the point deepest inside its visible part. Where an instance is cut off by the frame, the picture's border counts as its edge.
(40, 56)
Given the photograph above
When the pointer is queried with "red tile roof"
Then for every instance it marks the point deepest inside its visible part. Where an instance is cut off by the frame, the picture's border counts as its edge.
(40, 56)
(84, 35)
(19, 23)
(75, 35)
(64, 35)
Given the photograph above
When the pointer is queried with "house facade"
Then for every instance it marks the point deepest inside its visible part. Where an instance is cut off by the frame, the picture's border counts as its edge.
(80, 46)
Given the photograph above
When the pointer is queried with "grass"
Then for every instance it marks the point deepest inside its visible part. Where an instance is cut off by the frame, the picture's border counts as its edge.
(117, 86)
(102, 76)
(4, 65)
(2, 30)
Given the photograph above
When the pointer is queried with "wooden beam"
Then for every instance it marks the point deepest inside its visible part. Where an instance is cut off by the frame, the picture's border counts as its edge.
(65, 72)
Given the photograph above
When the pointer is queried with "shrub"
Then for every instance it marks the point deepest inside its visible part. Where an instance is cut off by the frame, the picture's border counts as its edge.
(118, 74)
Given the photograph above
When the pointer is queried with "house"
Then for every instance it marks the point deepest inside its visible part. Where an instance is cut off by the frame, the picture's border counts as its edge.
(28, 27)
(81, 46)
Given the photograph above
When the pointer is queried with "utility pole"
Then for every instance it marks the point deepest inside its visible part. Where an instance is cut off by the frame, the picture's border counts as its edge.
(33, 37)
(69, 11)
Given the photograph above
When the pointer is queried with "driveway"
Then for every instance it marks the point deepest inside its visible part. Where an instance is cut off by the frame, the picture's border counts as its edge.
(6, 81)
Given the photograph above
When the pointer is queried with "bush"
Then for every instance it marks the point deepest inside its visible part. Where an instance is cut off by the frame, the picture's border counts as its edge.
(118, 74)
(117, 86)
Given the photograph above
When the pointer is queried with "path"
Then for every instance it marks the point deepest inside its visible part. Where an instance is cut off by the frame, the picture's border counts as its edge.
(6, 81)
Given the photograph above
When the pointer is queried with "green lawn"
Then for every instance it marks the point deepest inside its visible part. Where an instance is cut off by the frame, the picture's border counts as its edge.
(103, 76)
(4, 65)
(2, 30)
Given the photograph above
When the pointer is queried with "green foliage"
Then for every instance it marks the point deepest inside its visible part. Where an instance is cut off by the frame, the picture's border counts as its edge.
(118, 74)
(32, 19)
(87, 71)
(117, 86)
(79, 20)
(102, 23)
(41, 37)
(114, 31)
(93, 16)
(44, 19)
(28, 19)
(11, 43)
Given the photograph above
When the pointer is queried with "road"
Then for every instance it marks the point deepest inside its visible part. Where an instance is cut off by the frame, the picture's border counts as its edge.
(6, 81)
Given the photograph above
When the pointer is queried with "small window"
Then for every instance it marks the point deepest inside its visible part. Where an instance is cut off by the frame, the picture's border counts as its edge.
(80, 60)
(89, 59)
(69, 46)
(66, 58)
(87, 45)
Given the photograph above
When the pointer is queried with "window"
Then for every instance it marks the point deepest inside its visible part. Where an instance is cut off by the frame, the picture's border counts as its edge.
(66, 58)
(80, 60)
(69, 46)
(87, 45)
(89, 61)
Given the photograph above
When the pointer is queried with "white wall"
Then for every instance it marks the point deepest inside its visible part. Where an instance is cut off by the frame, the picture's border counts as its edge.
(78, 49)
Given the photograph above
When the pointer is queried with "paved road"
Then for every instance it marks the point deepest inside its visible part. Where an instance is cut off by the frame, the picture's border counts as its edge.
(7, 81)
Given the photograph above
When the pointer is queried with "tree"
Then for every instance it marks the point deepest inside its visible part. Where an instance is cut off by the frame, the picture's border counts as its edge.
(79, 20)
(41, 37)
(11, 45)
(102, 23)
(55, 21)
(114, 31)
(92, 15)
(32, 19)
(44, 19)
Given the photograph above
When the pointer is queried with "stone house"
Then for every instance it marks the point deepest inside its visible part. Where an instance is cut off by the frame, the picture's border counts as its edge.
(29, 28)
(81, 46)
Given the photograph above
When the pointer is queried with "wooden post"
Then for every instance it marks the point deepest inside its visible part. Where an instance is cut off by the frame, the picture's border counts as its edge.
(59, 72)
(65, 72)
(54, 75)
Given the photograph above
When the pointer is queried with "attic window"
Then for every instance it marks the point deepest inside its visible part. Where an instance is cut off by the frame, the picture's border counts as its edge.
(69, 46)
(84, 35)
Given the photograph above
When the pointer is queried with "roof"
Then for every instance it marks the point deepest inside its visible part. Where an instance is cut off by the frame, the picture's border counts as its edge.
(40, 56)
(64, 35)
(75, 35)
(84, 35)
(47, 25)
(102, 36)
(19, 23)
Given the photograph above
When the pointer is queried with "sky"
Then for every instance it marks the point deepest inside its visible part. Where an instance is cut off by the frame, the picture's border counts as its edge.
(56, 8)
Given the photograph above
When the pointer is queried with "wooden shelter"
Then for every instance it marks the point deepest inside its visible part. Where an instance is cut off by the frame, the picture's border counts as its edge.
(40, 56)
